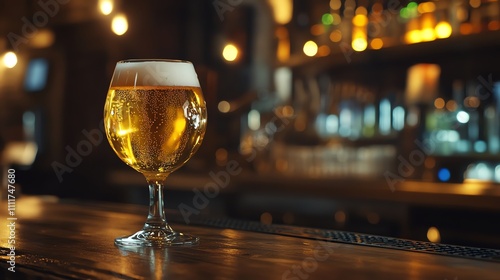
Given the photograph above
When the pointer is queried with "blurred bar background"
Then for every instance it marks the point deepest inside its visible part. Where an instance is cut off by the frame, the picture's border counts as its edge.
(379, 117)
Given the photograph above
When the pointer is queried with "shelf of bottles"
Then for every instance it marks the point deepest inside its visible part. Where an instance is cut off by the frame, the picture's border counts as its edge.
(325, 127)
(465, 128)
(355, 26)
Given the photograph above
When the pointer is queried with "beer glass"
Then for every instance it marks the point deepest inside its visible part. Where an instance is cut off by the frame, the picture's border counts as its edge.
(155, 119)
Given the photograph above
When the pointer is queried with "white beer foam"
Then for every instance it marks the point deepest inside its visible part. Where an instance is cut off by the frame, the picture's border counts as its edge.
(155, 73)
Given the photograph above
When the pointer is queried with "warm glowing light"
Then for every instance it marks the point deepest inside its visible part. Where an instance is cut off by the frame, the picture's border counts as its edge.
(106, 6)
(422, 83)
(310, 48)
(475, 3)
(20, 152)
(439, 103)
(376, 43)
(443, 30)
(282, 10)
(335, 4)
(426, 7)
(123, 132)
(10, 59)
(413, 32)
(359, 44)
(230, 52)
(323, 50)
(361, 11)
(433, 234)
(472, 102)
(284, 111)
(287, 111)
(428, 23)
(224, 106)
(427, 34)
(360, 20)
(179, 127)
(31, 207)
(119, 25)
(336, 36)
(451, 105)
(413, 36)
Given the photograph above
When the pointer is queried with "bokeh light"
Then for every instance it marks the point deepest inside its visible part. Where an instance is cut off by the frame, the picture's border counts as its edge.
(433, 235)
(444, 175)
(230, 52)
(327, 19)
(10, 59)
(119, 25)
(439, 103)
(224, 106)
(310, 48)
(359, 44)
(324, 50)
(376, 43)
(426, 7)
(106, 6)
(336, 36)
(335, 4)
(443, 30)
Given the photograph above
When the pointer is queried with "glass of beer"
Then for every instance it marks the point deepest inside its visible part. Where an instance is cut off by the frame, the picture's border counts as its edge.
(155, 119)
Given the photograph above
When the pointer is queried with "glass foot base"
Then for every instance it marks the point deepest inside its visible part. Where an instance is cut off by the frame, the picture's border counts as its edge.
(157, 238)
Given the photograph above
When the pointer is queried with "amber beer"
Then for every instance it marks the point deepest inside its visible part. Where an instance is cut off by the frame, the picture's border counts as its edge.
(155, 129)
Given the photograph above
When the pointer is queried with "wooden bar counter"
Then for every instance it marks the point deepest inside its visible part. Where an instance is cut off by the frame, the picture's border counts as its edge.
(74, 240)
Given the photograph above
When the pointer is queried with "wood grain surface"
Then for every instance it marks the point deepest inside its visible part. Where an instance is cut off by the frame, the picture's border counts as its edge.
(74, 240)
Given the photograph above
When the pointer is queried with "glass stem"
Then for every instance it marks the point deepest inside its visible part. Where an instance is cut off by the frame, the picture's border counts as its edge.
(156, 217)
